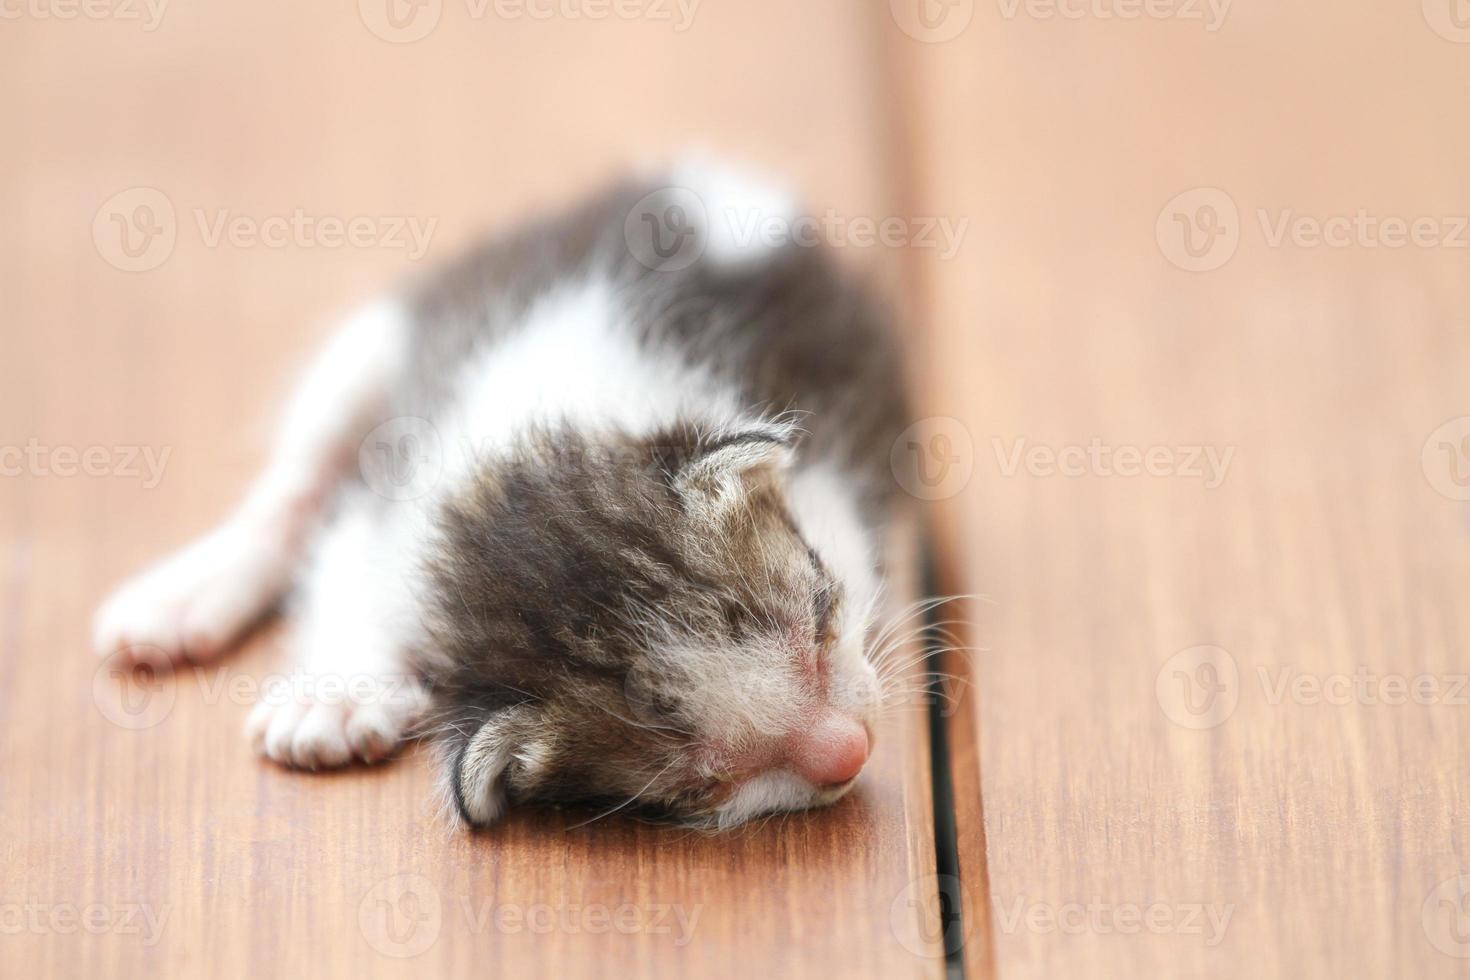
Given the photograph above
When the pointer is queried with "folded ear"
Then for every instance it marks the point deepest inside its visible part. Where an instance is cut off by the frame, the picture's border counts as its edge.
(729, 463)
(485, 764)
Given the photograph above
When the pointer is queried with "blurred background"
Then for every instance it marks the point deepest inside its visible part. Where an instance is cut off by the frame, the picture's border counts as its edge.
(1186, 286)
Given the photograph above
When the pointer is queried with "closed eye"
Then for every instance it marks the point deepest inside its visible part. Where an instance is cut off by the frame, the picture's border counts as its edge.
(824, 606)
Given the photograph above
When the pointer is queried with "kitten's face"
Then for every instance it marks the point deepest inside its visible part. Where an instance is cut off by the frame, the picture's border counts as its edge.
(656, 637)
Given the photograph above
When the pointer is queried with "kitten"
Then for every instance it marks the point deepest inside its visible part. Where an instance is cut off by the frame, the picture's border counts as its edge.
(598, 507)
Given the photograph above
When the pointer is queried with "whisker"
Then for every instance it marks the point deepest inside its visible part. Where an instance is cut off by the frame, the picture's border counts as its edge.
(630, 800)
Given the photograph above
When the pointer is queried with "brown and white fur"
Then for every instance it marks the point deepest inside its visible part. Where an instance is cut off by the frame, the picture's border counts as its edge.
(641, 561)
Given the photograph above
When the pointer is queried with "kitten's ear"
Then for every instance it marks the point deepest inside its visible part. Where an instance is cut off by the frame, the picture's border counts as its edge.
(484, 764)
(728, 464)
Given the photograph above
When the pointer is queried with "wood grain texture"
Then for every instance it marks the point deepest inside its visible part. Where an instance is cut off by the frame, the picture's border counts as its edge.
(185, 855)
(1323, 819)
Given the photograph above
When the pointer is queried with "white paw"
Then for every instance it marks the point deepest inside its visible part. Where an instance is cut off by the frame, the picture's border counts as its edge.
(318, 727)
(194, 604)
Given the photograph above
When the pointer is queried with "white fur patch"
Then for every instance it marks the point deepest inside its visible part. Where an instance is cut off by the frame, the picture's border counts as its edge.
(747, 216)
(827, 514)
(771, 792)
(195, 603)
(352, 694)
(575, 360)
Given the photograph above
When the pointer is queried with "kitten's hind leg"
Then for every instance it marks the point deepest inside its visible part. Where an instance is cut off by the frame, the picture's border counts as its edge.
(196, 603)
(351, 693)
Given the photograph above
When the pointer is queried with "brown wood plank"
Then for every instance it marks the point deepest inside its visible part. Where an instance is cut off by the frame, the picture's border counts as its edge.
(246, 869)
(1329, 825)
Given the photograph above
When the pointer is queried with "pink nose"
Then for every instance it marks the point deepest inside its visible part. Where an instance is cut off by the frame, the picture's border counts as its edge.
(831, 751)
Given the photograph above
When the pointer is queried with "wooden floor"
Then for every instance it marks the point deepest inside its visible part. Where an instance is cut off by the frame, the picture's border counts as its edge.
(1204, 474)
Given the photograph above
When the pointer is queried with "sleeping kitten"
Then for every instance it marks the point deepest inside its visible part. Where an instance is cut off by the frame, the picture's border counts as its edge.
(598, 507)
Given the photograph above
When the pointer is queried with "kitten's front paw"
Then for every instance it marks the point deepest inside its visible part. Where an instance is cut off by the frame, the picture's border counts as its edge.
(193, 605)
(324, 730)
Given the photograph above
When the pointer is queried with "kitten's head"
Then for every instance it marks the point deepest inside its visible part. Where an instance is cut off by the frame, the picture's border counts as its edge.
(644, 624)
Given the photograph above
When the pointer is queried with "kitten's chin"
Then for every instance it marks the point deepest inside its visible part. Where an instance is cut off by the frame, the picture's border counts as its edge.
(778, 791)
